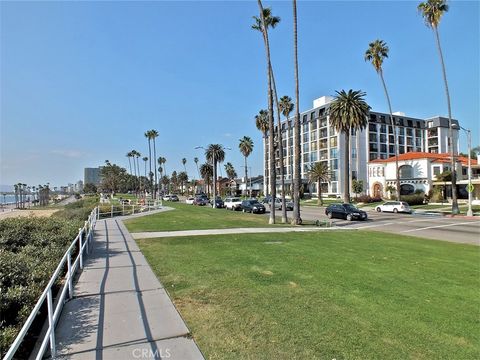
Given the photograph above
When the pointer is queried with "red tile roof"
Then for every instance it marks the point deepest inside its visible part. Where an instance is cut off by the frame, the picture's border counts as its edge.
(443, 158)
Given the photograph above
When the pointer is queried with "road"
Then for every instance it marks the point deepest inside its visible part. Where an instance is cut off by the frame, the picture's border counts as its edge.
(437, 227)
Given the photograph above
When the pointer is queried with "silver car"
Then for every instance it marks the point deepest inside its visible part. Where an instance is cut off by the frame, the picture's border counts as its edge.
(395, 207)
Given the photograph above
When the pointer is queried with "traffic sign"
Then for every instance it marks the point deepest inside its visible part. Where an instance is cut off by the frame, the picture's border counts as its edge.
(470, 187)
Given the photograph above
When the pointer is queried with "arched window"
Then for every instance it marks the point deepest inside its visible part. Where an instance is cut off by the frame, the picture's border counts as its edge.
(406, 172)
(407, 189)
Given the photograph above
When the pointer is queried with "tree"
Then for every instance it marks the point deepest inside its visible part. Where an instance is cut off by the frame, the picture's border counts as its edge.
(286, 107)
(376, 53)
(112, 176)
(215, 154)
(152, 135)
(129, 156)
(183, 178)
(432, 12)
(262, 25)
(89, 188)
(231, 173)
(297, 176)
(206, 171)
(174, 180)
(149, 138)
(348, 111)
(246, 147)
(184, 162)
(166, 182)
(195, 160)
(145, 159)
(318, 173)
(261, 121)
(357, 187)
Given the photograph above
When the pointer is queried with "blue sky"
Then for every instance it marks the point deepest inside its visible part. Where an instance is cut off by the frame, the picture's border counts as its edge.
(82, 81)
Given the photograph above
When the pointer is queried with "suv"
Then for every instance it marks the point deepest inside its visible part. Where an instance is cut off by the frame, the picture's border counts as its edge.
(253, 206)
(200, 200)
(218, 202)
(394, 206)
(345, 211)
(233, 203)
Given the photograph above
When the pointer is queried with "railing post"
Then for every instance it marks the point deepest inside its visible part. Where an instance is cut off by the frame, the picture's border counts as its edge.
(98, 213)
(86, 227)
(50, 323)
(80, 235)
(123, 209)
(112, 212)
(69, 275)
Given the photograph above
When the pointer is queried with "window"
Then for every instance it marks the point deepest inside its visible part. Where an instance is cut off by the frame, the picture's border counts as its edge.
(305, 137)
(313, 124)
(373, 147)
(402, 131)
(410, 123)
(323, 144)
(313, 146)
(383, 128)
(324, 154)
(305, 147)
(354, 153)
(333, 141)
(409, 132)
(334, 153)
(313, 135)
(306, 157)
(372, 127)
(383, 148)
(383, 138)
(405, 172)
(334, 164)
(373, 137)
(313, 156)
(373, 156)
(334, 185)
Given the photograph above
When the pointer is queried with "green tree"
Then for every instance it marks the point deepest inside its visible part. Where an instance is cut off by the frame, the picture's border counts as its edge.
(183, 179)
(376, 53)
(184, 162)
(145, 159)
(148, 135)
(231, 173)
(357, 187)
(319, 173)
(195, 160)
(432, 12)
(206, 171)
(348, 112)
(215, 154)
(246, 147)
(89, 188)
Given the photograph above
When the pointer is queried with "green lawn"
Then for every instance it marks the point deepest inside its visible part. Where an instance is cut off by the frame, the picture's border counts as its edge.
(190, 217)
(342, 295)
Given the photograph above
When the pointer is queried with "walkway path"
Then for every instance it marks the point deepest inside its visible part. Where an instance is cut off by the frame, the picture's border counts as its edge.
(120, 309)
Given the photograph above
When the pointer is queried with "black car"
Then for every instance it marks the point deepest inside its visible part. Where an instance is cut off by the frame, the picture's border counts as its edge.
(218, 203)
(252, 206)
(345, 211)
(200, 200)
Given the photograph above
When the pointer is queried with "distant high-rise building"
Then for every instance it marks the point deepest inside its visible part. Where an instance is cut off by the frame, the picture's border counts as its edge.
(92, 176)
(79, 186)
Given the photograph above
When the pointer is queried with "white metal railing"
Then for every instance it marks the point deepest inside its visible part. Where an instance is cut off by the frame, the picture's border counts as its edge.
(83, 241)
(126, 209)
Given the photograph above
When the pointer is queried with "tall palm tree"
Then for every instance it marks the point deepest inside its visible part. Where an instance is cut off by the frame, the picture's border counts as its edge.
(348, 111)
(183, 178)
(129, 156)
(145, 159)
(148, 135)
(297, 175)
(261, 121)
(215, 154)
(137, 156)
(432, 12)
(377, 52)
(263, 25)
(231, 173)
(195, 160)
(285, 106)
(184, 162)
(319, 173)
(206, 171)
(246, 147)
(161, 161)
(153, 135)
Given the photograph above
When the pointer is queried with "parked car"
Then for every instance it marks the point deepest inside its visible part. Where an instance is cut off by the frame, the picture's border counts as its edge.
(345, 211)
(190, 200)
(252, 206)
(200, 200)
(174, 198)
(166, 198)
(288, 204)
(218, 202)
(394, 206)
(233, 203)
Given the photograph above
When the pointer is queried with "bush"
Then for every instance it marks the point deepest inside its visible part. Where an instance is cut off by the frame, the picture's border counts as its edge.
(366, 199)
(30, 250)
(78, 210)
(416, 199)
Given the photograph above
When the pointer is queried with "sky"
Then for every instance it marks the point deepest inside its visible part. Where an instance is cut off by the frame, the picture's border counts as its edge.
(80, 82)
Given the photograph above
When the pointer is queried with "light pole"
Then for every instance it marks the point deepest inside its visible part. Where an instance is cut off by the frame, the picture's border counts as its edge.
(214, 205)
(469, 187)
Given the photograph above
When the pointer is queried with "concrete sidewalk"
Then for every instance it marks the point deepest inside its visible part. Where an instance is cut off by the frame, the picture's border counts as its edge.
(120, 309)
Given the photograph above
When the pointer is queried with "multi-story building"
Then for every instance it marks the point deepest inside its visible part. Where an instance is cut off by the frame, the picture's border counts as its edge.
(321, 142)
(92, 176)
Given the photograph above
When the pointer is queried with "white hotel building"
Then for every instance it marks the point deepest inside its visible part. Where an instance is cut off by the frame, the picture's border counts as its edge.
(320, 142)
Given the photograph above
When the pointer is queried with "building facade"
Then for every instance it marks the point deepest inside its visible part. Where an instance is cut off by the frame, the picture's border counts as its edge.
(92, 176)
(319, 141)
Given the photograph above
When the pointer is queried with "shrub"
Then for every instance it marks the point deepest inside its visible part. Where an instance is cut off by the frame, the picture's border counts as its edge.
(368, 199)
(415, 199)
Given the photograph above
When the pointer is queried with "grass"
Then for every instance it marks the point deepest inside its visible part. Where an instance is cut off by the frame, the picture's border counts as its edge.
(190, 217)
(343, 295)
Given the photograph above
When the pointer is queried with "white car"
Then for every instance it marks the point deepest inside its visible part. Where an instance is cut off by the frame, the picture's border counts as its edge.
(166, 197)
(233, 203)
(394, 206)
(190, 200)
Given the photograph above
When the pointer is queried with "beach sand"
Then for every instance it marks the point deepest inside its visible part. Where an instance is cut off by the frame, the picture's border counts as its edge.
(9, 212)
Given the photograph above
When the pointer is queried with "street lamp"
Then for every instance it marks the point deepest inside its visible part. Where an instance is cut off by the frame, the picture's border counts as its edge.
(469, 187)
(214, 205)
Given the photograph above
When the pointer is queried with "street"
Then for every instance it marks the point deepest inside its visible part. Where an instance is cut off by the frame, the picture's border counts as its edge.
(437, 227)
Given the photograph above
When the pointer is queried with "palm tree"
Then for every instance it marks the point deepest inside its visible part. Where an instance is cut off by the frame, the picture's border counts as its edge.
(262, 25)
(246, 148)
(297, 176)
(183, 178)
(215, 154)
(261, 121)
(231, 173)
(165, 182)
(286, 107)
(161, 161)
(348, 111)
(184, 161)
(432, 12)
(153, 134)
(145, 159)
(377, 52)
(319, 173)
(195, 160)
(206, 171)
(148, 135)
(129, 156)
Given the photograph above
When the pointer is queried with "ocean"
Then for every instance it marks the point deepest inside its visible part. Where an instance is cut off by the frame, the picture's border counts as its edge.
(10, 198)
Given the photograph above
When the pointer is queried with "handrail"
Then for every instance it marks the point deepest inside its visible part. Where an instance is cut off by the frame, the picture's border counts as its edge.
(84, 238)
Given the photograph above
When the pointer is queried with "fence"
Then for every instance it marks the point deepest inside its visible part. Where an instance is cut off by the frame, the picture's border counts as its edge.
(127, 209)
(82, 241)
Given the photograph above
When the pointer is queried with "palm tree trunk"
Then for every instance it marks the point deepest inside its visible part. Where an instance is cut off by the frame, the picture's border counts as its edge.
(455, 209)
(272, 175)
(297, 177)
(149, 165)
(130, 165)
(395, 134)
(319, 193)
(246, 176)
(155, 168)
(346, 184)
(280, 148)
